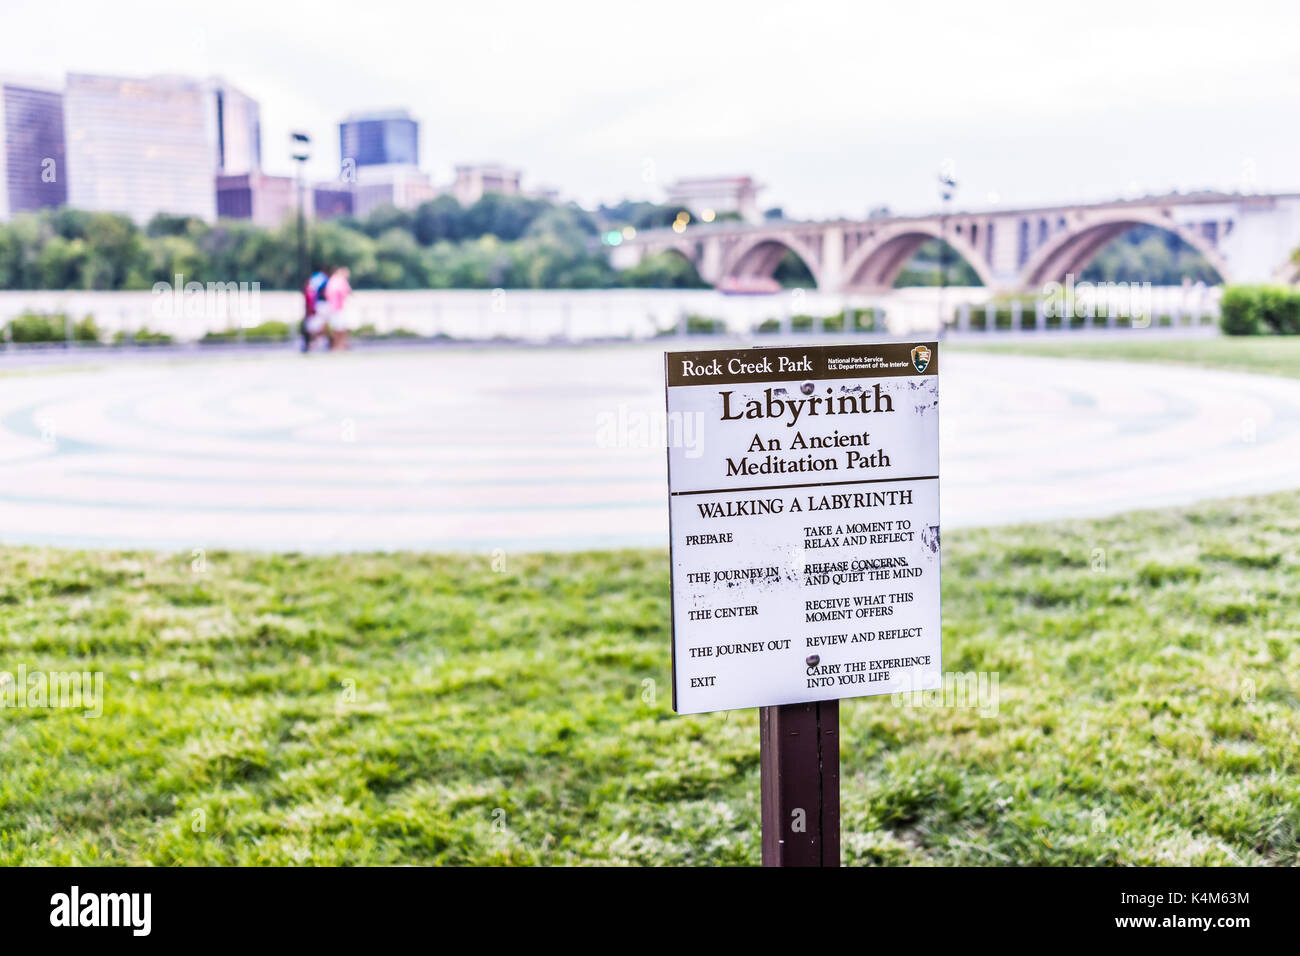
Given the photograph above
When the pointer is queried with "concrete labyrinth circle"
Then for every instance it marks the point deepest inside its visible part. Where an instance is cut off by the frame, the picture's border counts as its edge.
(531, 449)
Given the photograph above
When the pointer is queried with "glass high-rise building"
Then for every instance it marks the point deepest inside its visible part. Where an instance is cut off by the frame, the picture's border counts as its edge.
(33, 168)
(156, 145)
(380, 139)
(239, 130)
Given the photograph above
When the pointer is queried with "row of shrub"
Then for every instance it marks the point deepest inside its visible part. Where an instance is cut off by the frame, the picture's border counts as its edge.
(1004, 318)
(860, 320)
(53, 327)
(57, 327)
(1260, 310)
(1244, 310)
(263, 332)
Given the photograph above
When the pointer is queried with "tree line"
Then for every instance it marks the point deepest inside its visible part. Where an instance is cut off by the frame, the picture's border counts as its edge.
(499, 241)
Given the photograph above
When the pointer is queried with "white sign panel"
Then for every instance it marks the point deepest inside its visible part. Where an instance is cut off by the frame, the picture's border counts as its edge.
(804, 515)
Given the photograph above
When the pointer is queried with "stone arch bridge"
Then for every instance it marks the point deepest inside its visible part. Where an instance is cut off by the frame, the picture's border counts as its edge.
(1245, 237)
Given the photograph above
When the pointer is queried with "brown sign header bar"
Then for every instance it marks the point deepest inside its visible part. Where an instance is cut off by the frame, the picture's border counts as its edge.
(784, 364)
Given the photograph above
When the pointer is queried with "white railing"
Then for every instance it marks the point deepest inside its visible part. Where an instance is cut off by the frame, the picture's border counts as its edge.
(544, 316)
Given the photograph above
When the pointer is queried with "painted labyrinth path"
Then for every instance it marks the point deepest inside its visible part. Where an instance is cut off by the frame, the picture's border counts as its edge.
(545, 449)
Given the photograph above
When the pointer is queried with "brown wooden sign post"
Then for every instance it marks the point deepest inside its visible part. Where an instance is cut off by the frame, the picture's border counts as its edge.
(800, 780)
(803, 522)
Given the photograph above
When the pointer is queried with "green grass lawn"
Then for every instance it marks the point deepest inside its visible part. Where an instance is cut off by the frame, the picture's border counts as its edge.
(419, 709)
(1269, 354)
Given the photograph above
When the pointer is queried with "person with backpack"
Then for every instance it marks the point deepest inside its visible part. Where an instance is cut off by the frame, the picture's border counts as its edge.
(316, 322)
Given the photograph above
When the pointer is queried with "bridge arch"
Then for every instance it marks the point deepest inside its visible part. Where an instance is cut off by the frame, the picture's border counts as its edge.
(760, 256)
(689, 254)
(876, 263)
(1072, 249)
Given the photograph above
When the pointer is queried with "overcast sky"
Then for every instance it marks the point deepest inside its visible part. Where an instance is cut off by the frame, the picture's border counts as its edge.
(836, 107)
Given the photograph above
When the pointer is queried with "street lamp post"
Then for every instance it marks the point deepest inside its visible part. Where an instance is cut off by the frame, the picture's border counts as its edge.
(301, 144)
(947, 186)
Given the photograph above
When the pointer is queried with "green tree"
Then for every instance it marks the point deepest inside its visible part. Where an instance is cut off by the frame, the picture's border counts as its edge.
(68, 222)
(400, 262)
(174, 255)
(505, 217)
(923, 268)
(641, 215)
(793, 273)
(662, 270)
(570, 224)
(11, 258)
(1149, 254)
(28, 234)
(117, 256)
(439, 219)
(334, 245)
(164, 224)
(386, 218)
(64, 264)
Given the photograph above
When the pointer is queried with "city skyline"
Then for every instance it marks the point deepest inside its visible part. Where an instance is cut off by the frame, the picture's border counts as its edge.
(1032, 106)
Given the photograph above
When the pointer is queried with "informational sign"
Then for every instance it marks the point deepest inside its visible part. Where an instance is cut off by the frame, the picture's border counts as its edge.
(804, 521)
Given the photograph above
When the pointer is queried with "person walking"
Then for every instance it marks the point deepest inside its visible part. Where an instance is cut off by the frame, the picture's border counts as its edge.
(337, 291)
(314, 324)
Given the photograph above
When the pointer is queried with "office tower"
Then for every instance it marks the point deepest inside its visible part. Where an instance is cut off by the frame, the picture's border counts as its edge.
(379, 154)
(394, 184)
(33, 167)
(475, 179)
(145, 146)
(141, 146)
(331, 200)
(718, 194)
(238, 128)
(379, 139)
(266, 200)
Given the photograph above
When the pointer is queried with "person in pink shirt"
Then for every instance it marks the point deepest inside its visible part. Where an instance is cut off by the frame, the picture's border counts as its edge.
(337, 290)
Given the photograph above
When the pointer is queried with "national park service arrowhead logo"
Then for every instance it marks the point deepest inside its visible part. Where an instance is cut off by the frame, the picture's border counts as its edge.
(921, 357)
